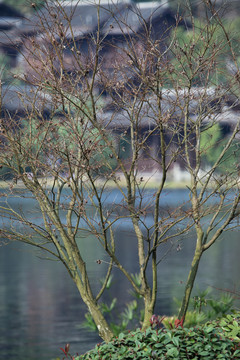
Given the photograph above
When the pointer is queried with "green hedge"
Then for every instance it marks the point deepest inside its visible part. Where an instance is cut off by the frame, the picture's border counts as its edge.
(215, 340)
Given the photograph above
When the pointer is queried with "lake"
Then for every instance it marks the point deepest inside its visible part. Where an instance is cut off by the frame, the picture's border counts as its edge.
(41, 311)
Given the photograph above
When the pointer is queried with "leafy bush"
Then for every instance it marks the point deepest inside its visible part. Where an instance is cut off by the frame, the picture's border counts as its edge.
(202, 308)
(192, 318)
(230, 326)
(204, 342)
(218, 339)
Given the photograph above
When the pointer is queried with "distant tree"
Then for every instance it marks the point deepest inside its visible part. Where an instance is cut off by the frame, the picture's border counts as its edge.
(212, 144)
(25, 6)
(230, 8)
(195, 7)
(4, 66)
(147, 96)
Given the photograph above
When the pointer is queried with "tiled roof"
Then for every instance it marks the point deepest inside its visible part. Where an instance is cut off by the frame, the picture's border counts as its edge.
(85, 17)
(9, 12)
(18, 99)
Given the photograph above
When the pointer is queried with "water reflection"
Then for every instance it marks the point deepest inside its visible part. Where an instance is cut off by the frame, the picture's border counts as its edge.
(40, 309)
(39, 306)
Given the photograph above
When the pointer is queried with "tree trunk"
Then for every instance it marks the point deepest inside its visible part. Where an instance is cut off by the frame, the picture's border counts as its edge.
(148, 310)
(189, 285)
(103, 328)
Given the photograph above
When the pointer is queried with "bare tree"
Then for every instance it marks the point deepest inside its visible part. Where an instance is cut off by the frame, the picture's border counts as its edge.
(92, 100)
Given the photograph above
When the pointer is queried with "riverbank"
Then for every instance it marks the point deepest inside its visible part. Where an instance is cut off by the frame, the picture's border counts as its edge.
(147, 182)
(175, 180)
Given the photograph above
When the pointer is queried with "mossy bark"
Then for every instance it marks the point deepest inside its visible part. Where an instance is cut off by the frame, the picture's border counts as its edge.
(190, 282)
(104, 330)
(148, 310)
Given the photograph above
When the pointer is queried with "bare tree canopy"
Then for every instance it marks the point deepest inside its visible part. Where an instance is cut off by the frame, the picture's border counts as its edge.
(118, 107)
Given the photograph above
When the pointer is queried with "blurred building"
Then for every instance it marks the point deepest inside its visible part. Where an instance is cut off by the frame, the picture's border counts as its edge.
(76, 24)
(62, 40)
(11, 21)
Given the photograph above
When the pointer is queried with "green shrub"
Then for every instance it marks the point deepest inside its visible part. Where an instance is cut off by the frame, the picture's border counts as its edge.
(203, 342)
(218, 339)
(192, 318)
(202, 308)
(229, 325)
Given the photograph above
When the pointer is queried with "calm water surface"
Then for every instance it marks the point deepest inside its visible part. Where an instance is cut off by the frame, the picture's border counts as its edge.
(40, 309)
